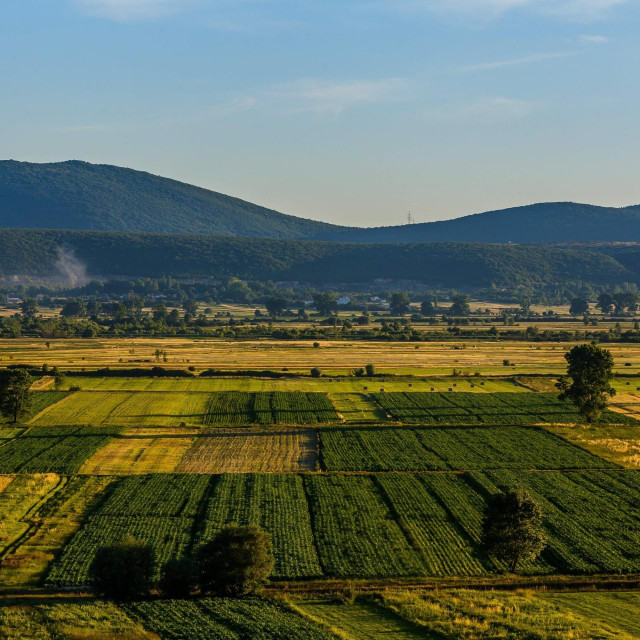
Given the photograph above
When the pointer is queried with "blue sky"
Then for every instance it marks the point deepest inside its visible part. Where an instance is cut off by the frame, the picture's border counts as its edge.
(354, 112)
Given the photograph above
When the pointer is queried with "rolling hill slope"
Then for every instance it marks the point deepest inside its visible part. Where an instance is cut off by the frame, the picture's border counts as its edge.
(79, 195)
(35, 252)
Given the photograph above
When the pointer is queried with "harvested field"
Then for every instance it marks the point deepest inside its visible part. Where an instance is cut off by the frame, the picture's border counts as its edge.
(250, 451)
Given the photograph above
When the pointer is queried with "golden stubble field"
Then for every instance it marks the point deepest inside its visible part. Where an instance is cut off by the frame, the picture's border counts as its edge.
(497, 358)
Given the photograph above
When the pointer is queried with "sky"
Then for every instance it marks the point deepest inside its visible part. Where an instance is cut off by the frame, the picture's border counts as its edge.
(349, 111)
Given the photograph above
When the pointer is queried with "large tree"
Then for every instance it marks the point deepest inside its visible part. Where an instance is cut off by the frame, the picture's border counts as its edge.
(236, 562)
(460, 305)
(325, 303)
(399, 302)
(276, 305)
(579, 306)
(15, 393)
(123, 571)
(586, 384)
(512, 528)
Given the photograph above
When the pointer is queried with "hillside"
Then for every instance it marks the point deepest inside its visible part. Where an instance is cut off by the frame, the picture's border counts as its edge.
(83, 196)
(35, 252)
(80, 195)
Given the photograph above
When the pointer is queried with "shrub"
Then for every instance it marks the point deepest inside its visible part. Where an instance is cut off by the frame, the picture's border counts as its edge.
(315, 372)
(371, 370)
(179, 577)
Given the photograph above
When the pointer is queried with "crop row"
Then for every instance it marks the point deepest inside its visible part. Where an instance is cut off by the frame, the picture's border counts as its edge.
(494, 408)
(272, 407)
(373, 525)
(451, 448)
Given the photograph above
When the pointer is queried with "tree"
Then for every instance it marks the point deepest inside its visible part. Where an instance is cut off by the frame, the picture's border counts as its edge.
(460, 306)
(315, 372)
(579, 306)
(371, 370)
(236, 562)
(59, 379)
(73, 309)
(275, 306)
(325, 303)
(512, 528)
(29, 307)
(605, 302)
(427, 308)
(15, 393)
(123, 571)
(190, 306)
(159, 312)
(586, 384)
(179, 577)
(399, 303)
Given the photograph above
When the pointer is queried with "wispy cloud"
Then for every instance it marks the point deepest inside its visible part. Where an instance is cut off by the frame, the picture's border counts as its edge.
(596, 39)
(484, 111)
(512, 62)
(333, 98)
(125, 10)
(581, 10)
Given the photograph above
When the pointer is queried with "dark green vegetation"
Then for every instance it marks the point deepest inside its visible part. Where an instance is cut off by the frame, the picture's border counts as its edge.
(79, 195)
(35, 252)
(223, 619)
(53, 449)
(40, 400)
(475, 408)
(449, 448)
(274, 407)
(369, 526)
(587, 383)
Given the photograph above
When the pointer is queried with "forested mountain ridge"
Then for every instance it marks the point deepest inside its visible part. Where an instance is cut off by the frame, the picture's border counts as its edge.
(80, 195)
(84, 196)
(37, 253)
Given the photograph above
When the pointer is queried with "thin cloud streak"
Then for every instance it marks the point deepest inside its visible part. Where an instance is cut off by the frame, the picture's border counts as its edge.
(131, 10)
(512, 62)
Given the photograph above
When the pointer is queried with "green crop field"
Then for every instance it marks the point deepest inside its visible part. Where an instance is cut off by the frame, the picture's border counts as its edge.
(52, 449)
(223, 619)
(495, 408)
(450, 448)
(276, 407)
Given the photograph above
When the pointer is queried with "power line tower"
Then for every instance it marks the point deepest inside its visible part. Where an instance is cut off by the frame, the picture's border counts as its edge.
(410, 219)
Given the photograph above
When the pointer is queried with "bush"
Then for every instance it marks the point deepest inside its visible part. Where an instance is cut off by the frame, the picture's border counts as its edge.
(371, 370)
(123, 571)
(236, 562)
(315, 372)
(179, 578)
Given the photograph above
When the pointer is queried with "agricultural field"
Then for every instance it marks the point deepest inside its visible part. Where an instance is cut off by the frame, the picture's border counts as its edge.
(250, 451)
(451, 448)
(333, 357)
(53, 449)
(495, 408)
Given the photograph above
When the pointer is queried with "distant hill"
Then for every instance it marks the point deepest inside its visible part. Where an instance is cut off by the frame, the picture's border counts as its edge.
(535, 223)
(79, 195)
(38, 253)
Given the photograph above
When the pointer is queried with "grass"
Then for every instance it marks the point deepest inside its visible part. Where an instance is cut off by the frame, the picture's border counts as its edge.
(357, 407)
(450, 448)
(122, 408)
(619, 611)
(68, 620)
(51, 526)
(477, 615)
(362, 619)
(619, 445)
(250, 451)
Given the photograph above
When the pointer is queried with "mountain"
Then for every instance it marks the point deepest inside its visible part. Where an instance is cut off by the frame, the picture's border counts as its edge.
(100, 253)
(80, 195)
(535, 223)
